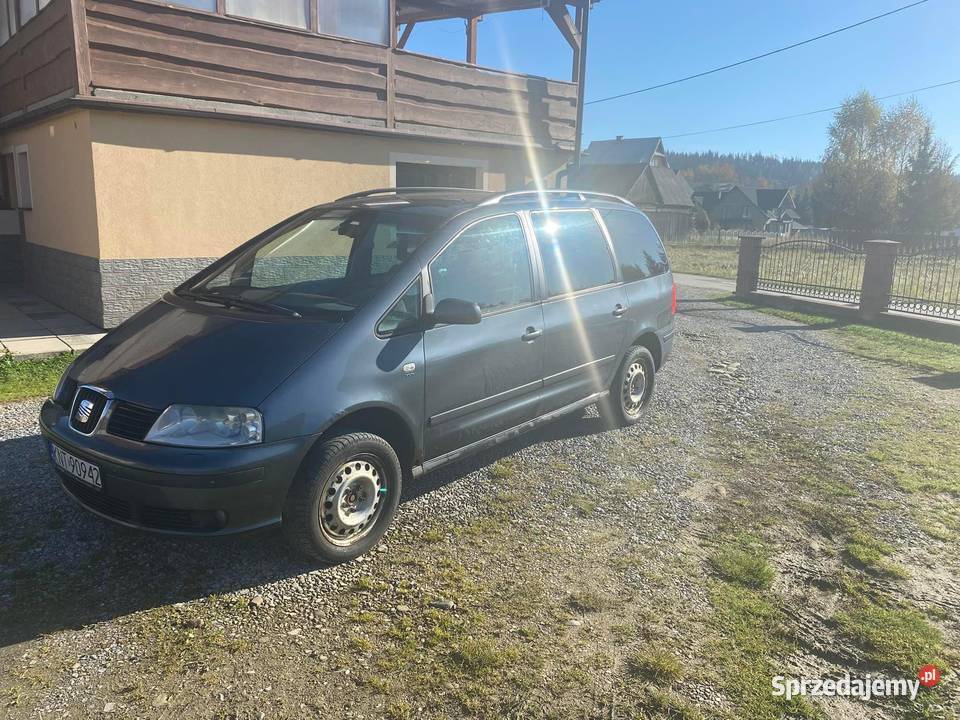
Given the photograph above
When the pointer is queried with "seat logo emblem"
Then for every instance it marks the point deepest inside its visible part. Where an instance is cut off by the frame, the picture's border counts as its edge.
(84, 411)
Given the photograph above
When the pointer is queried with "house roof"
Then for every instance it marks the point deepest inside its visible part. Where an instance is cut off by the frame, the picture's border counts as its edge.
(769, 198)
(673, 187)
(616, 179)
(626, 151)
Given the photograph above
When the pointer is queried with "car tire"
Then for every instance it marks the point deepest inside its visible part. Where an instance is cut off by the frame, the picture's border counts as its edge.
(343, 498)
(628, 398)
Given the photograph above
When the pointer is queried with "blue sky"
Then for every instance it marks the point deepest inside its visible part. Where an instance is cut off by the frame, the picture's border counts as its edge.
(635, 44)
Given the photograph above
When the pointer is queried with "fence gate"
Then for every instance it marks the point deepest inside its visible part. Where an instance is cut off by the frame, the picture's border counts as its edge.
(812, 268)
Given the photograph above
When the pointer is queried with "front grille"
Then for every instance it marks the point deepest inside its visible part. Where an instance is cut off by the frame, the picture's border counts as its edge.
(130, 421)
(99, 501)
(87, 408)
(67, 391)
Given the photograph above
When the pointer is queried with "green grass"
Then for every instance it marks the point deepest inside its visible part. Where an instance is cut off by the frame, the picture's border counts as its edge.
(481, 656)
(743, 563)
(658, 665)
(22, 379)
(712, 262)
(871, 554)
(888, 346)
(897, 638)
(923, 455)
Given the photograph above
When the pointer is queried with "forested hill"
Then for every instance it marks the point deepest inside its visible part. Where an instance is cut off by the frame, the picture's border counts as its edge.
(706, 168)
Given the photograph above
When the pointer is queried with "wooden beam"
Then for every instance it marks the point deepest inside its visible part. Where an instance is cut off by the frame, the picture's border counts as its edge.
(575, 74)
(391, 68)
(557, 10)
(81, 46)
(407, 31)
(472, 40)
(582, 83)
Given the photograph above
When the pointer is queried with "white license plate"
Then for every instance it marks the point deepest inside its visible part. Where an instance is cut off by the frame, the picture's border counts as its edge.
(80, 469)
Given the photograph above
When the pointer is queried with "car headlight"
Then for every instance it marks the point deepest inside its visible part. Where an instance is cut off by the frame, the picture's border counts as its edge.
(203, 426)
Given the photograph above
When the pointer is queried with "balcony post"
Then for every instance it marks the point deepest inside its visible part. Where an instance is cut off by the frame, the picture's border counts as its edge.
(472, 40)
(584, 7)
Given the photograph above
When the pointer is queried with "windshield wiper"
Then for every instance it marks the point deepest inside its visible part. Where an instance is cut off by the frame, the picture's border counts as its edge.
(232, 301)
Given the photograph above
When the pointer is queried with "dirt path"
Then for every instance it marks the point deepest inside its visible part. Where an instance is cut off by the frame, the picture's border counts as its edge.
(787, 510)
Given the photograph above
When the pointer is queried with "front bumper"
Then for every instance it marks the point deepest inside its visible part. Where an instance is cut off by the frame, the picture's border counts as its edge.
(179, 491)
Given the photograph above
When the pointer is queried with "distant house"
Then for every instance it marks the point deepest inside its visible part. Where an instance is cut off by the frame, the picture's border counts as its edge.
(749, 208)
(637, 169)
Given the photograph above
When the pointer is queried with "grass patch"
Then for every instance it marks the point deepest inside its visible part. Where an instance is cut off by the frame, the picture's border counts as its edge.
(479, 656)
(922, 455)
(747, 651)
(712, 262)
(22, 379)
(744, 563)
(661, 666)
(661, 704)
(899, 638)
(504, 469)
(871, 554)
(873, 343)
(583, 506)
(589, 601)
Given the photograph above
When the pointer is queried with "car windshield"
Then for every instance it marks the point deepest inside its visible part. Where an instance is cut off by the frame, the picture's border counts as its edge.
(320, 263)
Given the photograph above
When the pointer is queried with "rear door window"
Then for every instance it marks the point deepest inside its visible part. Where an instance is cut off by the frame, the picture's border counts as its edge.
(638, 247)
(574, 251)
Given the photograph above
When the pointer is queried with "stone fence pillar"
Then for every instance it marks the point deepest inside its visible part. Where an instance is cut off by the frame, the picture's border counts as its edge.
(748, 264)
(881, 259)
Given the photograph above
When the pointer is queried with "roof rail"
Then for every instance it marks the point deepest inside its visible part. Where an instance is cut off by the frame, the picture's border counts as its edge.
(581, 195)
(408, 190)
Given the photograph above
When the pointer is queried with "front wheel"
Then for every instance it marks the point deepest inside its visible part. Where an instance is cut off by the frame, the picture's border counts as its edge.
(632, 388)
(343, 498)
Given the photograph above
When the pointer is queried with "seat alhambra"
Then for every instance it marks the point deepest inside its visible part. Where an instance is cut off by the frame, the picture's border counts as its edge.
(303, 377)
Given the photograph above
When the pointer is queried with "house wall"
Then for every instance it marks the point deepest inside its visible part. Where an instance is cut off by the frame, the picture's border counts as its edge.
(132, 204)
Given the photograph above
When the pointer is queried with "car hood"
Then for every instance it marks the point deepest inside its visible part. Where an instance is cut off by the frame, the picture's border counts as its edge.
(178, 352)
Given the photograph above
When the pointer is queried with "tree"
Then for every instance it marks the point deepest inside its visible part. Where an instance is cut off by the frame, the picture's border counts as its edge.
(930, 193)
(856, 189)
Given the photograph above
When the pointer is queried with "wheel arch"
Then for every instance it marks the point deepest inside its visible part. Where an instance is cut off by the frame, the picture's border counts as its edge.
(651, 341)
(383, 420)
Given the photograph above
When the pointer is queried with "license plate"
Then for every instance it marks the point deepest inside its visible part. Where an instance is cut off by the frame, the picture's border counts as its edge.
(80, 469)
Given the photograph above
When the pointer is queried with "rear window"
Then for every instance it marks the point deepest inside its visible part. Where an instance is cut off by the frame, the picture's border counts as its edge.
(574, 251)
(638, 247)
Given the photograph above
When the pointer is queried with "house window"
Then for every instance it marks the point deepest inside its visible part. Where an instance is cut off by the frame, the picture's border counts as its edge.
(367, 20)
(23, 179)
(294, 13)
(410, 174)
(745, 213)
(16, 178)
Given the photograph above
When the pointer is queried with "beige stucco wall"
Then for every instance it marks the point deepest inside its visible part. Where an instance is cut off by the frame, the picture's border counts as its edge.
(174, 187)
(64, 214)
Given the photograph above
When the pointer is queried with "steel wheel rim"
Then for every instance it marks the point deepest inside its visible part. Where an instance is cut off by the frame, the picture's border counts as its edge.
(634, 391)
(352, 500)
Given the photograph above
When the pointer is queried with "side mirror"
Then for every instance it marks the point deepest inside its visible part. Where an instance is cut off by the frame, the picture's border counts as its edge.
(452, 311)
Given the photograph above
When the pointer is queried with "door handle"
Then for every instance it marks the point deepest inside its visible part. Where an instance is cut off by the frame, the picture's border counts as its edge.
(619, 310)
(531, 334)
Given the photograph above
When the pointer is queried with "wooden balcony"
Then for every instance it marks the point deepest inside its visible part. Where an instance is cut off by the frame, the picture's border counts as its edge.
(139, 54)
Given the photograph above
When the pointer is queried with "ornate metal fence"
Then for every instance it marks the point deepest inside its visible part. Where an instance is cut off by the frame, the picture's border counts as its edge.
(813, 268)
(926, 280)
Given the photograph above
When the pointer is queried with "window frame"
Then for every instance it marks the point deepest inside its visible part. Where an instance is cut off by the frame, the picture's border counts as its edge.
(419, 327)
(611, 254)
(532, 264)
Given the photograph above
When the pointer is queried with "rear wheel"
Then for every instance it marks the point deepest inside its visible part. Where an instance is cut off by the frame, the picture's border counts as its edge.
(632, 388)
(343, 498)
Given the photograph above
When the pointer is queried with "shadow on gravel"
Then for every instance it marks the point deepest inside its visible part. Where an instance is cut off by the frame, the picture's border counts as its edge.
(943, 381)
(62, 567)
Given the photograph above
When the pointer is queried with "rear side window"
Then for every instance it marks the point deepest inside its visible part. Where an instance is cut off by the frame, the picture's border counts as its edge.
(574, 251)
(489, 264)
(638, 247)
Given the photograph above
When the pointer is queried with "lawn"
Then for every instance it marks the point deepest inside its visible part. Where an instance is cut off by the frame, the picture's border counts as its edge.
(21, 379)
(710, 261)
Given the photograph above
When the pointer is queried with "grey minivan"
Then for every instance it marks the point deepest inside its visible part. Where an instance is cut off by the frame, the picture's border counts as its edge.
(300, 379)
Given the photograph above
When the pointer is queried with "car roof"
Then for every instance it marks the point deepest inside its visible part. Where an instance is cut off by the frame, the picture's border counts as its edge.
(457, 200)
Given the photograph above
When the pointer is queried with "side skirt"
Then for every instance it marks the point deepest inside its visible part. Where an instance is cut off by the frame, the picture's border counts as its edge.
(505, 435)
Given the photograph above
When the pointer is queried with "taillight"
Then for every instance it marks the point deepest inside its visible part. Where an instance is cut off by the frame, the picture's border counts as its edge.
(673, 302)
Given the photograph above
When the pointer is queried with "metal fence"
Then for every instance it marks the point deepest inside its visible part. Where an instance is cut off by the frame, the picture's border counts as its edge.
(926, 279)
(812, 268)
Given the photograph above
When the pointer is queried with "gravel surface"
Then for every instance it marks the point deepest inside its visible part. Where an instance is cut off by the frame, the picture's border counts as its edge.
(76, 589)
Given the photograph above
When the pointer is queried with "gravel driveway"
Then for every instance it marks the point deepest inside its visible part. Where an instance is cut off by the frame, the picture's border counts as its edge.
(573, 573)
